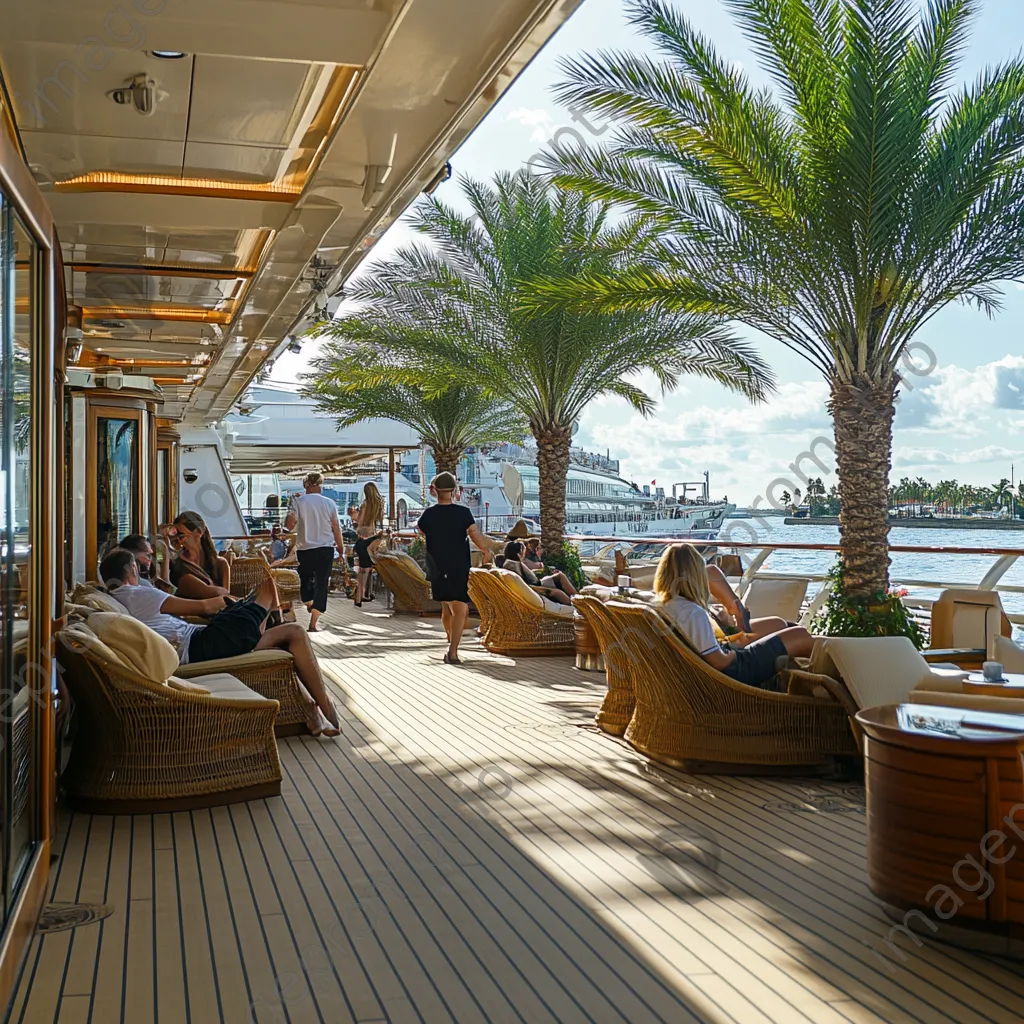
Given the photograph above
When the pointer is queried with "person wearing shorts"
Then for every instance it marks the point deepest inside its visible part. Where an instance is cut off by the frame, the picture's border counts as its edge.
(448, 528)
(233, 630)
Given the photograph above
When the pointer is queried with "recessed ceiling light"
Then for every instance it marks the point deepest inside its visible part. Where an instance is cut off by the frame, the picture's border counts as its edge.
(167, 54)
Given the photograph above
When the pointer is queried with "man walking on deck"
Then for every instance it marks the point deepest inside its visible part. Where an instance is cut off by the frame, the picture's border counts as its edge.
(315, 519)
(448, 528)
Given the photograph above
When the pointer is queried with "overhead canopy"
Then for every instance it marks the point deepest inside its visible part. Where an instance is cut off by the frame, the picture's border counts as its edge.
(277, 134)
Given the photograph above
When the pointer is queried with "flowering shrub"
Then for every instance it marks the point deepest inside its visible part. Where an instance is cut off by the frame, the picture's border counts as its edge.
(881, 614)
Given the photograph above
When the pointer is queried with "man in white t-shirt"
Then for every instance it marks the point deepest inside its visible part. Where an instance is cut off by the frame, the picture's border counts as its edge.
(232, 630)
(314, 518)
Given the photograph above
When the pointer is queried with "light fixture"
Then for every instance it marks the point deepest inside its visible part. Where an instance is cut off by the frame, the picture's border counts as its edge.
(167, 54)
(438, 180)
(141, 92)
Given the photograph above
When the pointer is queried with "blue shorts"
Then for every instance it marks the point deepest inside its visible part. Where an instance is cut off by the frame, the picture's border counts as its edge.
(234, 630)
(754, 664)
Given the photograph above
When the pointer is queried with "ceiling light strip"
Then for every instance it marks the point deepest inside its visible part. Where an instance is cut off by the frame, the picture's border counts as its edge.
(171, 314)
(159, 270)
(155, 184)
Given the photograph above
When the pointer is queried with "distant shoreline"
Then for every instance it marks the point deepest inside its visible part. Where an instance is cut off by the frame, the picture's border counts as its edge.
(921, 523)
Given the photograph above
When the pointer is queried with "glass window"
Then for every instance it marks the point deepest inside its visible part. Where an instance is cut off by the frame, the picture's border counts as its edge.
(117, 480)
(163, 510)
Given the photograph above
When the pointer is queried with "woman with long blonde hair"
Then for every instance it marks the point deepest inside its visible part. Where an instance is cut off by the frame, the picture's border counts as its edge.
(369, 522)
(683, 592)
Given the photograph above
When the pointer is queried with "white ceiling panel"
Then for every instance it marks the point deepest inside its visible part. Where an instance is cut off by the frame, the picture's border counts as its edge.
(234, 163)
(68, 156)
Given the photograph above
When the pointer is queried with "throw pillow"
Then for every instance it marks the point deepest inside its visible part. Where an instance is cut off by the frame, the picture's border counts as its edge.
(138, 646)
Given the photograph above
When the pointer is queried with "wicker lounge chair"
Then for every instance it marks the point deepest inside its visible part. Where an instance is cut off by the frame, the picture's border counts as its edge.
(523, 622)
(690, 716)
(480, 586)
(271, 674)
(620, 700)
(145, 748)
(407, 582)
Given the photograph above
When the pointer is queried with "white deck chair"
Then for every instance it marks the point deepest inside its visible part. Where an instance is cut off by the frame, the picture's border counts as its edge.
(765, 597)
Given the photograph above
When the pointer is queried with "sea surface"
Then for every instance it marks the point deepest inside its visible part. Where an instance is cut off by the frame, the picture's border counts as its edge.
(941, 567)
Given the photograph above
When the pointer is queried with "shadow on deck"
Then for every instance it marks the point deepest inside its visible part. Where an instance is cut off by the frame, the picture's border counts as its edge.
(469, 850)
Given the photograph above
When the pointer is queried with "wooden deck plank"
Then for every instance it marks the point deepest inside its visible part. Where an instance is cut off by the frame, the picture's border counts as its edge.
(465, 853)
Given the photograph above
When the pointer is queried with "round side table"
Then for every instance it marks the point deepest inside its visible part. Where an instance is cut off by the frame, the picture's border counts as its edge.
(945, 818)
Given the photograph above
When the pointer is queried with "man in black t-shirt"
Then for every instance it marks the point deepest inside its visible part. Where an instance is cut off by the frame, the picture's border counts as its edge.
(448, 528)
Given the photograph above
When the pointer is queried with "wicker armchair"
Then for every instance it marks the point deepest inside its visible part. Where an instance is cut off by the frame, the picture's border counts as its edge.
(247, 572)
(620, 700)
(407, 582)
(523, 622)
(271, 673)
(480, 594)
(144, 748)
(690, 716)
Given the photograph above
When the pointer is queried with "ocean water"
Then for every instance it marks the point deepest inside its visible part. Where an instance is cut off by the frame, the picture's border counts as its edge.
(920, 565)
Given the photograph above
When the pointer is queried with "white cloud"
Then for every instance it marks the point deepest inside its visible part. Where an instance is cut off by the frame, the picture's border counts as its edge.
(528, 117)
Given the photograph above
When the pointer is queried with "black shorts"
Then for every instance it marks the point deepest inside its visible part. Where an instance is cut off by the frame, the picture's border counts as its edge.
(755, 663)
(363, 556)
(452, 586)
(234, 630)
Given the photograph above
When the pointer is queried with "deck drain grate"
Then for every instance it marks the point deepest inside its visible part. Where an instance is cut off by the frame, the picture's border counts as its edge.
(61, 917)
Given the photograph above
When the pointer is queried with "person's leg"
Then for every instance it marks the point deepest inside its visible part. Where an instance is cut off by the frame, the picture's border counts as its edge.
(305, 579)
(446, 619)
(564, 583)
(459, 614)
(797, 640)
(766, 626)
(292, 638)
(321, 584)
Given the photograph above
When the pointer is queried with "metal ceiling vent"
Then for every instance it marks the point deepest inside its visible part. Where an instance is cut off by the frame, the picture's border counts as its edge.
(141, 92)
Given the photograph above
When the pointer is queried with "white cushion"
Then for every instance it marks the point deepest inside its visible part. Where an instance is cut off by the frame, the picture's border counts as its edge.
(254, 659)
(560, 611)
(101, 602)
(876, 670)
(80, 633)
(183, 684)
(138, 646)
(519, 587)
(224, 686)
(1011, 655)
(783, 598)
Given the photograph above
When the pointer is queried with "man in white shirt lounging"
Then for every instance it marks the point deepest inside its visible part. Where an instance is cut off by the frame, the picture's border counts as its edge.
(232, 630)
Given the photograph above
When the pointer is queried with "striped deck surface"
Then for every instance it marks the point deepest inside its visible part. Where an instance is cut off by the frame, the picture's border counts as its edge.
(471, 850)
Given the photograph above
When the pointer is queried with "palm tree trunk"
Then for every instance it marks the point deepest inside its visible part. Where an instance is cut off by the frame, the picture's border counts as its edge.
(862, 413)
(447, 459)
(552, 469)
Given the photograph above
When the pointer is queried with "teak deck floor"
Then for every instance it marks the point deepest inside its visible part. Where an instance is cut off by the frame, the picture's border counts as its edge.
(471, 850)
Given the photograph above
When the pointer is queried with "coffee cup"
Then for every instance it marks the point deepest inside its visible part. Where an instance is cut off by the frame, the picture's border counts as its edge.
(992, 671)
(623, 583)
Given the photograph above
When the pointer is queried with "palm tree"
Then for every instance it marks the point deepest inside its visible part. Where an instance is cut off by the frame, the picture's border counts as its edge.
(1000, 492)
(456, 312)
(448, 422)
(836, 215)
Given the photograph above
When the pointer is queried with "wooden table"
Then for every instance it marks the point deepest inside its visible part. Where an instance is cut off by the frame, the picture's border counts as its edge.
(942, 785)
(1011, 686)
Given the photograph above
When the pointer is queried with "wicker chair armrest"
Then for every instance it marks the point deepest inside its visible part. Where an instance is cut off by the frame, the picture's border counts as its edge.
(273, 659)
(800, 683)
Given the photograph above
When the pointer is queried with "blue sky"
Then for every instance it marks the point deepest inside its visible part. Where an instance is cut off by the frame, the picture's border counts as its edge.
(963, 419)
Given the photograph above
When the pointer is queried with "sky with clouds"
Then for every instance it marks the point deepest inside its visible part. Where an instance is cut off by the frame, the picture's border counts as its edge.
(962, 416)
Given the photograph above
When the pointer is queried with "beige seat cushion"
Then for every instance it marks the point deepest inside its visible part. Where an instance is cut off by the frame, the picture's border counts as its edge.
(410, 565)
(225, 686)
(183, 684)
(136, 645)
(560, 611)
(103, 603)
(285, 577)
(876, 670)
(764, 598)
(974, 701)
(1009, 654)
(517, 585)
(966, 619)
(254, 659)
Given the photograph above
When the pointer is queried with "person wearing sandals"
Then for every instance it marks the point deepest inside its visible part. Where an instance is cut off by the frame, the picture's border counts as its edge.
(314, 517)
(448, 528)
(752, 657)
(232, 630)
(368, 520)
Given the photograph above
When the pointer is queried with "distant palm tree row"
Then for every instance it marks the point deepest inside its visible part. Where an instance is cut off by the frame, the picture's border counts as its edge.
(952, 495)
(835, 214)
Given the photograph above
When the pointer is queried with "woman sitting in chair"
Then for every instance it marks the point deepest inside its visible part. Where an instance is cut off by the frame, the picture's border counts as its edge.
(682, 587)
(556, 586)
(196, 570)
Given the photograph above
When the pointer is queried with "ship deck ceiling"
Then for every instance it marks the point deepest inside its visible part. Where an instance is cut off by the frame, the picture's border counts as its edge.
(471, 850)
(285, 131)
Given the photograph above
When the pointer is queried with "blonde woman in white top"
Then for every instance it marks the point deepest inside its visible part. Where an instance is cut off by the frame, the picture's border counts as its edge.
(681, 585)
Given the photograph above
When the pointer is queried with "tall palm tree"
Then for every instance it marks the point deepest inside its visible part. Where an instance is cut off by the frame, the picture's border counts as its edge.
(456, 312)
(448, 422)
(836, 214)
